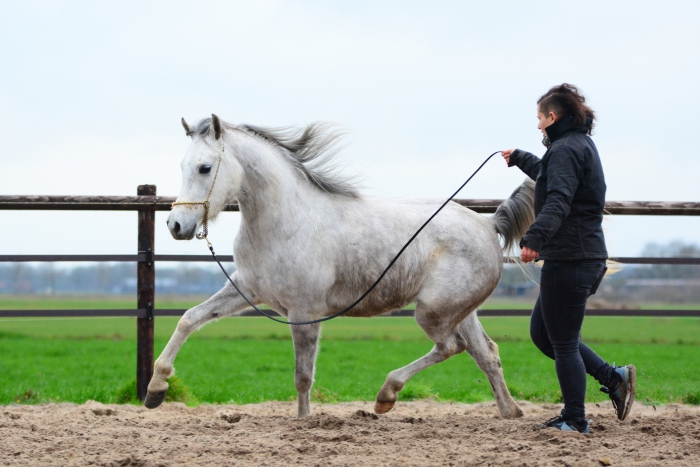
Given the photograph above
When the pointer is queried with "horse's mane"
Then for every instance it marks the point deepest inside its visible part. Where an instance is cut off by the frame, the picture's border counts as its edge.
(311, 150)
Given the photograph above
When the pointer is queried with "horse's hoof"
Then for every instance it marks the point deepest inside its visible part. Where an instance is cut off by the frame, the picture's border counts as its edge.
(513, 414)
(383, 407)
(518, 413)
(154, 399)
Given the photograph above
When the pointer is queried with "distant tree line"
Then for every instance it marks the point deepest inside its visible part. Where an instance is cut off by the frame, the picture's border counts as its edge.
(627, 283)
(107, 278)
(675, 283)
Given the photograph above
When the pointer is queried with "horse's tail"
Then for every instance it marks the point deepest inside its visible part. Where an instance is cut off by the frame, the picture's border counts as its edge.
(515, 215)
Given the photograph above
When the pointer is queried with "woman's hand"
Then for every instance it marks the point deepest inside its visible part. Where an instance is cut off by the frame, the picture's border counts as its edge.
(528, 254)
(506, 155)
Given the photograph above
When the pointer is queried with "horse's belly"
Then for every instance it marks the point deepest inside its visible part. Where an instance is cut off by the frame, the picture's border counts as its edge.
(397, 289)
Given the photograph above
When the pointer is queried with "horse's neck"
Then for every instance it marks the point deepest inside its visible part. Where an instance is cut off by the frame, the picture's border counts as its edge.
(276, 201)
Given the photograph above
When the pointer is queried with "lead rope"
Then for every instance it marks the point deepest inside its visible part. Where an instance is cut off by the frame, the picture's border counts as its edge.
(205, 231)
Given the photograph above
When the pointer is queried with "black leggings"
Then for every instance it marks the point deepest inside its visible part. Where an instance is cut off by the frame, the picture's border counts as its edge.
(555, 328)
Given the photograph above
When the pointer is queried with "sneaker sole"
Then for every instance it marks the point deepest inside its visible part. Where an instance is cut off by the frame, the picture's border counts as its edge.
(568, 429)
(631, 382)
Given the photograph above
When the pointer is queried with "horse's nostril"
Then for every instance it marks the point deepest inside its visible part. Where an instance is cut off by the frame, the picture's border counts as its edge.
(177, 227)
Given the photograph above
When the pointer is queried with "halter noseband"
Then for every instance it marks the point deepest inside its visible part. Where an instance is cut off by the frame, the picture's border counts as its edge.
(205, 224)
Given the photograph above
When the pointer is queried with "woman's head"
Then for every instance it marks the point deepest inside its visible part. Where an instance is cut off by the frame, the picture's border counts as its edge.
(564, 101)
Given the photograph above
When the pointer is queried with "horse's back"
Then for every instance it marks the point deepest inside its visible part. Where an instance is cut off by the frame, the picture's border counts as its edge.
(456, 228)
(456, 252)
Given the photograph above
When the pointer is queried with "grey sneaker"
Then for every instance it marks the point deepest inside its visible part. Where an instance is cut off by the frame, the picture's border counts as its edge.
(564, 425)
(622, 395)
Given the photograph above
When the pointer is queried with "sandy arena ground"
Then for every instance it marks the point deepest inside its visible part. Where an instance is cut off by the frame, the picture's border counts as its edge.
(414, 433)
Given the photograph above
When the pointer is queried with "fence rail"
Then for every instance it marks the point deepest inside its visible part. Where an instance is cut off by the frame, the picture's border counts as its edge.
(146, 203)
(506, 312)
(146, 256)
(143, 256)
(163, 203)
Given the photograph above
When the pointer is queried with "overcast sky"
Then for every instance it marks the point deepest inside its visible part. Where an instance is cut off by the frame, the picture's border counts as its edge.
(91, 94)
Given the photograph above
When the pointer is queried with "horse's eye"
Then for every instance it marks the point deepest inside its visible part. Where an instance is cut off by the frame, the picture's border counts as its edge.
(204, 169)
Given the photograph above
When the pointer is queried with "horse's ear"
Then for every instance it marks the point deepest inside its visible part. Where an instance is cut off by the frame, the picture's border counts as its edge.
(188, 132)
(215, 126)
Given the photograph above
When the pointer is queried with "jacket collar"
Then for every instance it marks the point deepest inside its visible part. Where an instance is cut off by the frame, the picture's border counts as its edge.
(557, 129)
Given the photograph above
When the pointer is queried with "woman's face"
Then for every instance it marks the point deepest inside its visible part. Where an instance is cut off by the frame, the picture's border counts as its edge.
(545, 120)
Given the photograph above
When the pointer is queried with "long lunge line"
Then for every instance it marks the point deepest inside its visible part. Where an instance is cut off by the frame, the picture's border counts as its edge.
(362, 297)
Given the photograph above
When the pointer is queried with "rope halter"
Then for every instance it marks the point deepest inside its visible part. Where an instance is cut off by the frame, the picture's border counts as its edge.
(205, 223)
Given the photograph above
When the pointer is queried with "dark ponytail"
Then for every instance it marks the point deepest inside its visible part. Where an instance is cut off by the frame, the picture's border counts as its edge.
(565, 100)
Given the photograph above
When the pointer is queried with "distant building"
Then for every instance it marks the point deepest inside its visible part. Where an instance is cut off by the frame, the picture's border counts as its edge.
(662, 283)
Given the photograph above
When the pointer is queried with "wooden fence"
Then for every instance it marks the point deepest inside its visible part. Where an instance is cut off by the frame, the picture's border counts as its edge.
(146, 203)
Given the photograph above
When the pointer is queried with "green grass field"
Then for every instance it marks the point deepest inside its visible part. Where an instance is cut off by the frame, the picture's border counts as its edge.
(243, 360)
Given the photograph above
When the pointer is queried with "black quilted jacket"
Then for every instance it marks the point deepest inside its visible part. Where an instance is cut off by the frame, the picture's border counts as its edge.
(569, 195)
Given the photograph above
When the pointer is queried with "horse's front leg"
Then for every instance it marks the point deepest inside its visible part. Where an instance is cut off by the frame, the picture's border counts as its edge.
(305, 338)
(225, 302)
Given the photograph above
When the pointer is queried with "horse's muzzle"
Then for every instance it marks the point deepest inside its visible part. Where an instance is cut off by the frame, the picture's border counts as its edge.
(180, 233)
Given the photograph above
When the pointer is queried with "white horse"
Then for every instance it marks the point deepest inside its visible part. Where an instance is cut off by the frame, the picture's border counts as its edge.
(309, 245)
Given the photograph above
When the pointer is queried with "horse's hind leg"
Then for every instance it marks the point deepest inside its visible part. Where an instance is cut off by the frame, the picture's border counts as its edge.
(467, 335)
(395, 381)
(447, 343)
(305, 346)
(484, 351)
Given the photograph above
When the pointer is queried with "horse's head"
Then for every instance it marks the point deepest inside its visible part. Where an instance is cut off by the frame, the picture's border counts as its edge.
(208, 175)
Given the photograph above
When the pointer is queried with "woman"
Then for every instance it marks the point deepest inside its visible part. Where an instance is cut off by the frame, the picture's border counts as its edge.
(567, 234)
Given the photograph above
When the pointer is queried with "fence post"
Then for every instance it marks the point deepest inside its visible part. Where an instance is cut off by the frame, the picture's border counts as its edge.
(145, 293)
